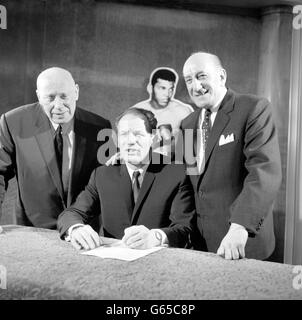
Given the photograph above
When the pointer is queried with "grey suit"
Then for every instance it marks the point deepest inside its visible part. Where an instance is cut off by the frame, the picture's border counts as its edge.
(241, 178)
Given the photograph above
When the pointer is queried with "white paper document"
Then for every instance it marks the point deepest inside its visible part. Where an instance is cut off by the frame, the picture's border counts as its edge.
(115, 249)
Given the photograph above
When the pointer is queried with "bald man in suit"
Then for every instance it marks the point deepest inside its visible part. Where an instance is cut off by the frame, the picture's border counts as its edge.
(51, 147)
(238, 170)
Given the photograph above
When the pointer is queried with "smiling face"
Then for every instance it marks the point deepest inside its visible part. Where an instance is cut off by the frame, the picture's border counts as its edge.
(134, 140)
(205, 80)
(57, 94)
(163, 92)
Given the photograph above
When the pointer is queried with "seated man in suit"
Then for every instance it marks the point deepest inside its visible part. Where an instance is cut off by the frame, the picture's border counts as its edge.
(51, 147)
(145, 203)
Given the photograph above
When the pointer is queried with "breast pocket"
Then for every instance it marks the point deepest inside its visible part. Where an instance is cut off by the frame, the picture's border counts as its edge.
(228, 146)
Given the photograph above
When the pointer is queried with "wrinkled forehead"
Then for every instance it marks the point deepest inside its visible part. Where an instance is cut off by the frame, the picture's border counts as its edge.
(131, 122)
(199, 63)
(55, 84)
(55, 79)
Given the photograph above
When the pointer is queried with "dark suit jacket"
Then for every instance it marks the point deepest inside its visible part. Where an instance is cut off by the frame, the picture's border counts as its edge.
(27, 151)
(166, 201)
(241, 178)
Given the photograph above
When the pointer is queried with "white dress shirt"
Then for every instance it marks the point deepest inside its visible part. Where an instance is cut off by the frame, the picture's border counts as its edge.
(142, 172)
(200, 142)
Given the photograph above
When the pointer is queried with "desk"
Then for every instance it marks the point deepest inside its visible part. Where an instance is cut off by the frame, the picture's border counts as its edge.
(41, 266)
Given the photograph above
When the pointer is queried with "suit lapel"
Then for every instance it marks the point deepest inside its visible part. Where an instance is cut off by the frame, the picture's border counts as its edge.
(221, 120)
(79, 150)
(44, 137)
(125, 190)
(147, 183)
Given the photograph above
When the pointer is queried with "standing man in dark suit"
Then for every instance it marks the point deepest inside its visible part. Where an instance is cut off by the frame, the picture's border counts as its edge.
(238, 170)
(51, 147)
(141, 201)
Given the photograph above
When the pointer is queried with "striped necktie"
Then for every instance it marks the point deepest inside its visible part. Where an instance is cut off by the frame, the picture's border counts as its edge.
(206, 127)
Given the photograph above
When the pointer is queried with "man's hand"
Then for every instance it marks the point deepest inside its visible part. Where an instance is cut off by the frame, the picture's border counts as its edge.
(140, 237)
(233, 244)
(113, 160)
(84, 237)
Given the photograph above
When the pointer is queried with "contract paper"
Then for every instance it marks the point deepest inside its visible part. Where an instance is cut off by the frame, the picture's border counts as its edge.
(115, 249)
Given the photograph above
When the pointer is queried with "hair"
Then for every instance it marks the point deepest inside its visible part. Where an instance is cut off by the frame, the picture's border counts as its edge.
(164, 74)
(146, 115)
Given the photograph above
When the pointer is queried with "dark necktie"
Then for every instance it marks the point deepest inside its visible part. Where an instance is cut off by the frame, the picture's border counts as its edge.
(136, 186)
(58, 143)
(206, 127)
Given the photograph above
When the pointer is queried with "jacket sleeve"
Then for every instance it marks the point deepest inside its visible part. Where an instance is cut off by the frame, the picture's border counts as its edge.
(263, 165)
(7, 157)
(85, 207)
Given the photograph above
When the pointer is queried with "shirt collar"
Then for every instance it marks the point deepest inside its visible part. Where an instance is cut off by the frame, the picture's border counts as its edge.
(66, 127)
(141, 170)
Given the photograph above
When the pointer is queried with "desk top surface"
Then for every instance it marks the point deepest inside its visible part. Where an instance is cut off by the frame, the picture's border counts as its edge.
(41, 266)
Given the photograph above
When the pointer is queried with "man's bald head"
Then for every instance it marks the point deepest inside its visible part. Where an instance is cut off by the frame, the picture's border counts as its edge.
(204, 56)
(55, 74)
(205, 79)
(57, 93)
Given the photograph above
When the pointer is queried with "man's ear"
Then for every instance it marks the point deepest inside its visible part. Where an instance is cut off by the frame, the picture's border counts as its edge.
(77, 91)
(223, 76)
(38, 95)
(150, 89)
